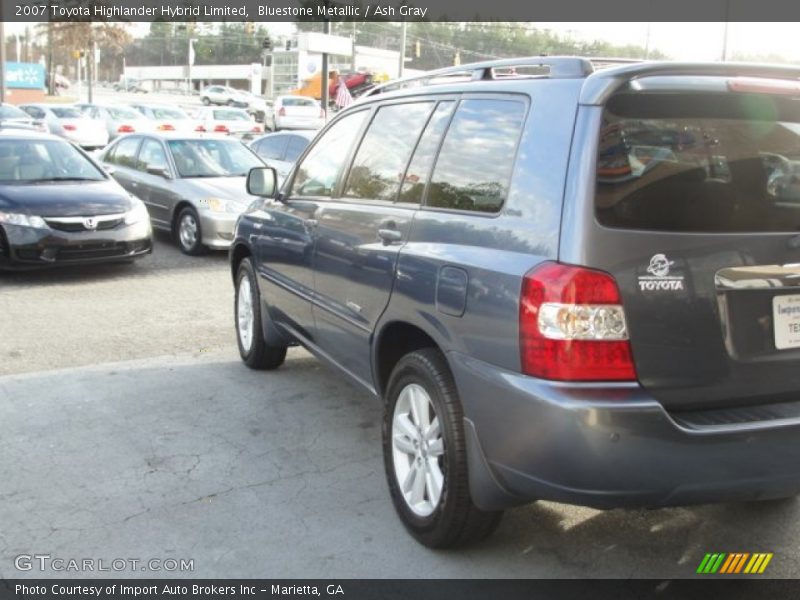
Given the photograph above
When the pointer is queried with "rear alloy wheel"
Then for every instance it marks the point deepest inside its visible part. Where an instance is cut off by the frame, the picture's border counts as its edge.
(425, 454)
(254, 351)
(189, 232)
(230, 102)
(205, 100)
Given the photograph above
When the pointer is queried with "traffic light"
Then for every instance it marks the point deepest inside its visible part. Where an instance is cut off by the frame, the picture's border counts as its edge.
(288, 45)
(418, 49)
(266, 44)
(457, 59)
(249, 28)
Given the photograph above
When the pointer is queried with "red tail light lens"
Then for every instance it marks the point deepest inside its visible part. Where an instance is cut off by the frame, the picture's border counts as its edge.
(256, 129)
(69, 127)
(221, 129)
(125, 129)
(282, 112)
(166, 127)
(200, 128)
(572, 326)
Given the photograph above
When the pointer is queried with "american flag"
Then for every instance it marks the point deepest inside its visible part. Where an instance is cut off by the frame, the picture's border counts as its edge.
(343, 97)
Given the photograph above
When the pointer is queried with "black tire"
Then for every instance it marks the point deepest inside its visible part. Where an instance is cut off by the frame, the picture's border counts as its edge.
(205, 101)
(231, 102)
(196, 247)
(455, 521)
(259, 355)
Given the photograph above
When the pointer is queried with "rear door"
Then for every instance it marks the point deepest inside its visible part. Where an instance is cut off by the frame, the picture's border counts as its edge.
(697, 214)
(122, 156)
(360, 234)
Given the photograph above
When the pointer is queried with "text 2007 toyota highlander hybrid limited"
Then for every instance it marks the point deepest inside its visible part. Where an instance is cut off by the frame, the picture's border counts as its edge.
(566, 281)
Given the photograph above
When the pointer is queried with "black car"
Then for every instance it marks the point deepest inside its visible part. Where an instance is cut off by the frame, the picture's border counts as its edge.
(57, 206)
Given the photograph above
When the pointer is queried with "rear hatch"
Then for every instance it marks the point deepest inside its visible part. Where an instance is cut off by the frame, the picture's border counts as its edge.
(697, 215)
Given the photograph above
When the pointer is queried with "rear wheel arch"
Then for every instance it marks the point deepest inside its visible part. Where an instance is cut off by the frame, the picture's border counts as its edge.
(393, 342)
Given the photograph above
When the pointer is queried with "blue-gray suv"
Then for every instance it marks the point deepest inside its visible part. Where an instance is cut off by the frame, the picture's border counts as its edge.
(565, 280)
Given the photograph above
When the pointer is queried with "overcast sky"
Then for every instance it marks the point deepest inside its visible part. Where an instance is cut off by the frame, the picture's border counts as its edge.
(683, 41)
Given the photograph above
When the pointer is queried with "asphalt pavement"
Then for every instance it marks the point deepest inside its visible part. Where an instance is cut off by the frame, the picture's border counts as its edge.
(131, 431)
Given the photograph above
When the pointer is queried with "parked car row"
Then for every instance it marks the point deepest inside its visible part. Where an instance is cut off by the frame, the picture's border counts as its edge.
(60, 205)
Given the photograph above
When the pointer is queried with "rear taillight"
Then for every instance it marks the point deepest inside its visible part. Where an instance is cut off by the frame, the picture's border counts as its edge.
(256, 129)
(126, 129)
(165, 127)
(572, 326)
(200, 128)
(221, 129)
(282, 112)
(69, 127)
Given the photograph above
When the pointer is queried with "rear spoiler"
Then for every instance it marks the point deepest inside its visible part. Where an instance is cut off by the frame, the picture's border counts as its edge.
(602, 84)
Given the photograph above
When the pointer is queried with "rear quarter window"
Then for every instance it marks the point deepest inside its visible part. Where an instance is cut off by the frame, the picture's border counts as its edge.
(474, 166)
(723, 162)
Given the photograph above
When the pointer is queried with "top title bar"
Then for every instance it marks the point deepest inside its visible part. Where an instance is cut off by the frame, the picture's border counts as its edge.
(394, 10)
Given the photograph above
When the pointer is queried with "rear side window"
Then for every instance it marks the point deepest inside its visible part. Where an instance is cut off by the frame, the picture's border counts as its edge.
(124, 153)
(272, 147)
(475, 162)
(295, 148)
(724, 162)
(317, 174)
(383, 155)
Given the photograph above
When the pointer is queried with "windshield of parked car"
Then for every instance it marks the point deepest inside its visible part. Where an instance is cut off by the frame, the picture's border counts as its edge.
(702, 162)
(66, 112)
(212, 158)
(32, 161)
(12, 112)
(119, 113)
(231, 115)
(168, 113)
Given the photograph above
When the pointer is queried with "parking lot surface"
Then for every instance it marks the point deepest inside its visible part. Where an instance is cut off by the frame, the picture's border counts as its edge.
(132, 430)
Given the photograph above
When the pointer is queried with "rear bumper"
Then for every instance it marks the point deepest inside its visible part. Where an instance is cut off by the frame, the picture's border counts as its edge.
(26, 247)
(299, 122)
(609, 445)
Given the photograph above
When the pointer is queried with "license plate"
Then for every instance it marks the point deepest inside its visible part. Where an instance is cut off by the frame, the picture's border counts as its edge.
(786, 317)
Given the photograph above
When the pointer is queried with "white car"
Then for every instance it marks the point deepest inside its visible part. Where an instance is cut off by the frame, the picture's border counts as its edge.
(227, 121)
(167, 118)
(297, 112)
(222, 94)
(70, 123)
(118, 118)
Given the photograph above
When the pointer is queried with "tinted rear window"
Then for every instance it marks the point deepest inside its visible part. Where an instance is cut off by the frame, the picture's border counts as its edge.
(700, 162)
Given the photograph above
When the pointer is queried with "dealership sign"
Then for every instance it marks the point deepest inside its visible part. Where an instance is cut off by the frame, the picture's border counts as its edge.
(29, 76)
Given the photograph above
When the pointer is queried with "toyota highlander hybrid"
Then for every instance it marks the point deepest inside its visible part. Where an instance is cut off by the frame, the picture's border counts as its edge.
(565, 281)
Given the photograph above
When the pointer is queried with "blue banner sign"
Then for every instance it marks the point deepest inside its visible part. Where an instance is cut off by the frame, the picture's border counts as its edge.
(29, 76)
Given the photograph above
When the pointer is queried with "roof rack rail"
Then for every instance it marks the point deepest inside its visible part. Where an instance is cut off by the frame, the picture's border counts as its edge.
(554, 67)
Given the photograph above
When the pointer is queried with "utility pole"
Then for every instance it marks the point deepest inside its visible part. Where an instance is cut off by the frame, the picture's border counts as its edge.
(89, 70)
(725, 31)
(2, 63)
(353, 51)
(190, 61)
(404, 27)
(326, 29)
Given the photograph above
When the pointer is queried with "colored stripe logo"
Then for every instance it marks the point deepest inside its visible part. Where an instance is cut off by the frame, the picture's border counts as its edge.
(734, 563)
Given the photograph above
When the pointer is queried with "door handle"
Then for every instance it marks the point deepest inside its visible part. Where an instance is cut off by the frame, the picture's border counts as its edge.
(390, 235)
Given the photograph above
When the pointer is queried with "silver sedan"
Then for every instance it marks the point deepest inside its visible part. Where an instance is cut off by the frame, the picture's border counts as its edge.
(193, 186)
